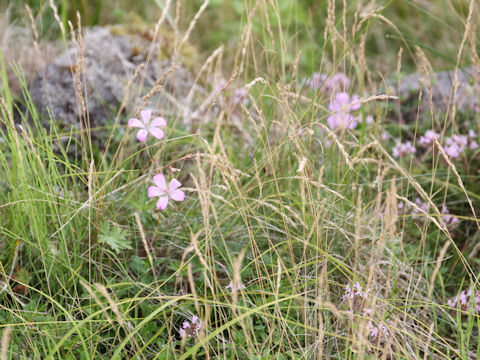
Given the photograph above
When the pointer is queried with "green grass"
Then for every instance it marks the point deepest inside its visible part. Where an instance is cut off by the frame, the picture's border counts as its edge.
(90, 270)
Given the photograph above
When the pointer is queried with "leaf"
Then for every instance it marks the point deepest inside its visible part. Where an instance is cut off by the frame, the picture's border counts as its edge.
(115, 238)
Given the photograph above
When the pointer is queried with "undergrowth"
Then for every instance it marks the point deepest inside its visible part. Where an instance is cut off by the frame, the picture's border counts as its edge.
(315, 223)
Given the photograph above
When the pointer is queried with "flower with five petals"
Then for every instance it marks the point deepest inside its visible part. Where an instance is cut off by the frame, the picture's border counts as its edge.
(165, 191)
(146, 126)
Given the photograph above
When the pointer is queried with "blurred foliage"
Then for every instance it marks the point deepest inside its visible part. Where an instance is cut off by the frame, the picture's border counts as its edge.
(411, 24)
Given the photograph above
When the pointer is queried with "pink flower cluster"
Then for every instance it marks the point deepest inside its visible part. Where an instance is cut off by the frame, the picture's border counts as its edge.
(454, 146)
(464, 300)
(411, 210)
(457, 144)
(427, 140)
(329, 85)
(240, 97)
(190, 329)
(403, 149)
(162, 190)
(354, 291)
(341, 106)
(356, 295)
(450, 220)
(377, 331)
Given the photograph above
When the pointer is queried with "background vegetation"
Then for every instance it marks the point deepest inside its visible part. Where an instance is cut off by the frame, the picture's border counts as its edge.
(295, 212)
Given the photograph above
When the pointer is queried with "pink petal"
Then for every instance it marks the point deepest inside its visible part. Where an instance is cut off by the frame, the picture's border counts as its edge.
(159, 121)
(142, 135)
(154, 191)
(162, 203)
(135, 123)
(146, 115)
(350, 121)
(177, 195)
(356, 106)
(160, 181)
(157, 132)
(174, 184)
(332, 122)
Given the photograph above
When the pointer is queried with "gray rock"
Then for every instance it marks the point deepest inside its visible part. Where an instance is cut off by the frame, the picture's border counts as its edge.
(110, 62)
(467, 96)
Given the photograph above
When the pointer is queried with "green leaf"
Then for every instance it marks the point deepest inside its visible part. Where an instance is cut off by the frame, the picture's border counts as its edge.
(114, 237)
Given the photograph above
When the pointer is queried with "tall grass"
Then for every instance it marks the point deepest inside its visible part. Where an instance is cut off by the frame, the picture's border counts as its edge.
(276, 201)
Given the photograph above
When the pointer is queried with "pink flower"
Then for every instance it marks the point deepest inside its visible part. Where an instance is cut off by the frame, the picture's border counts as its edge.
(165, 191)
(377, 330)
(349, 294)
(452, 302)
(455, 145)
(315, 80)
(146, 126)
(339, 81)
(353, 291)
(340, 106)
(219, 86)
(472, 144)
(452, 149)
(232, 289)
(359, 290)
(367, 312)
(329, 85)
(428, 139)
(240, 97)
(191, 330)
(464, 300)
(403, 149)
(342, 101)
(421, 204)
(450, 220)
(373, 330)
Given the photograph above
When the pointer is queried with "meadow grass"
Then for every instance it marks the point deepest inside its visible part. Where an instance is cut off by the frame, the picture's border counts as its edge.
(295, 240)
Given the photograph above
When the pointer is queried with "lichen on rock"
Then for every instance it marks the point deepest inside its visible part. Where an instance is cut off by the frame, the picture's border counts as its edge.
(110, 67)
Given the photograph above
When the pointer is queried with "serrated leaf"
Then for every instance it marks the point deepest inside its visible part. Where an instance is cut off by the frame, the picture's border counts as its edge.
(115, 238)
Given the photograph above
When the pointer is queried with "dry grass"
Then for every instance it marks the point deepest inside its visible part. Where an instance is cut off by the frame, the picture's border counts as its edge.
(292, 219)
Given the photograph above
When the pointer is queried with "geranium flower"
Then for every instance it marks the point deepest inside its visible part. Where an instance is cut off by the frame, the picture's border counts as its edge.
(146, 126)
(165, 191)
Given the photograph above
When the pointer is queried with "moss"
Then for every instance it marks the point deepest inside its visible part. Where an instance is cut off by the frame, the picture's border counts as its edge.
(139, 29)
